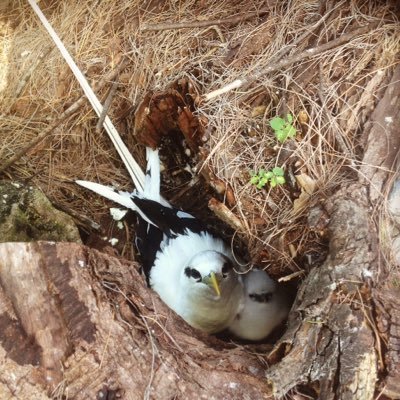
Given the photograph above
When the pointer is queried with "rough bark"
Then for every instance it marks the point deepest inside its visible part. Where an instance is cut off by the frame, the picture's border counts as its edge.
(79, 323)
(382, 142)
(383, 146)
(344, 331)
(332, 347)
(331, 343)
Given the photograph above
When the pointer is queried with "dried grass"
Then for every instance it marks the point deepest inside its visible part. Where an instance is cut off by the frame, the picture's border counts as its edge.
(329, 88)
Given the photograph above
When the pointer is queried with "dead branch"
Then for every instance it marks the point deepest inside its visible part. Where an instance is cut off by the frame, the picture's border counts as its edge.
(225, 214)
(27, 75)
(282, 53)
(106, 106)
(382, 139)
(202, 24)
(62, 117)
(295, 59)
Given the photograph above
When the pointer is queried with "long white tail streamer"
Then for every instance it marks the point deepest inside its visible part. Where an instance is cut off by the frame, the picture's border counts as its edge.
(120, 197)
(131, 165)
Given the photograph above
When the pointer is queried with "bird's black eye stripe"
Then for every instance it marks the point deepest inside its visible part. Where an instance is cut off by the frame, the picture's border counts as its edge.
(261, 297)
(193, 273)
(226, 268)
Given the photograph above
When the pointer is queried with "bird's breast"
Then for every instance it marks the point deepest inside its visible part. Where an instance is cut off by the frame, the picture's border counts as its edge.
(211, 314)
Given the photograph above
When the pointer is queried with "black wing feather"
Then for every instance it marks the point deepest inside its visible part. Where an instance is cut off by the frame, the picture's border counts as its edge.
(148, 242)
(167, 225)
(167, 219)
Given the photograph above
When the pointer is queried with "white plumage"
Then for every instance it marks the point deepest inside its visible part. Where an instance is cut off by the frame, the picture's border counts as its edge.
(192, 270)
(189, 294)
(265, 306)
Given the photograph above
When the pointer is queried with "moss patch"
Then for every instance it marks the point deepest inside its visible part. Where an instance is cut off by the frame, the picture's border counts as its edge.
(27, 215)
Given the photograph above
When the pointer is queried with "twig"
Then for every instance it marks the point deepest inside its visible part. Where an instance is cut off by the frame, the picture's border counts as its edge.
(62, 117)
(282, 53)
(291, 276)
(201, 24)
(27, 75)
(346, 37)
(133, 168)
(225, 214)
(106, 106)
(83, 219)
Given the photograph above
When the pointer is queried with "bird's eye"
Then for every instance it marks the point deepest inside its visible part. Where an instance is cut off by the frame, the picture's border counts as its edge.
(193, 273)
(261, 297)
(226, 268)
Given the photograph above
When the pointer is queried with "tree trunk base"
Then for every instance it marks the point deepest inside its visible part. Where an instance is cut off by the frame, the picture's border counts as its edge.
(79, 323)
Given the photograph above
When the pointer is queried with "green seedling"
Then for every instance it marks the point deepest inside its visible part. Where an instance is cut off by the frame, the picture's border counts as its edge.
(283, 128)
(274, 177)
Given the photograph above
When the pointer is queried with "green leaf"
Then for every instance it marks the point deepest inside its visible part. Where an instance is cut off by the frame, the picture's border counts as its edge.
(280, 180)
(254, 180)
(281, 136)
(273, 177)
(269, 175)
(289, 118)
(277, 123)
(278, 171)
(291, 131)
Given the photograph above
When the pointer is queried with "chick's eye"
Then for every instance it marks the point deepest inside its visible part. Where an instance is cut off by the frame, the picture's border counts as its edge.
(261, 297)
(193, 273)
(226, 268)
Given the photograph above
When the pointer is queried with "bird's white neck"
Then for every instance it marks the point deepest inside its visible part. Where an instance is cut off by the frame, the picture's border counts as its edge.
(208, 312)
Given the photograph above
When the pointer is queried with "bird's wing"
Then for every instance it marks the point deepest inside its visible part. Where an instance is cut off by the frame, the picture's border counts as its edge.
(149, 240)
(169, 220)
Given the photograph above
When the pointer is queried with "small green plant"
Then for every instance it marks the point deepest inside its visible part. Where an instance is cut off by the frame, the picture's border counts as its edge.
(274, 177)
(283, 127)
